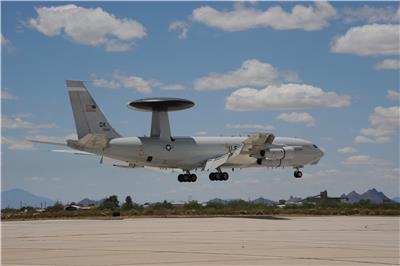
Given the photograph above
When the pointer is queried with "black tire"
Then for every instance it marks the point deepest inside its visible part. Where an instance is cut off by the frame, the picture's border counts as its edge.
(212, 176)
(186, 178)
(225, 176)
(218, 176)
(262, 153)
(299, 174)
(259, 161)
(180, 179)
(193, 178)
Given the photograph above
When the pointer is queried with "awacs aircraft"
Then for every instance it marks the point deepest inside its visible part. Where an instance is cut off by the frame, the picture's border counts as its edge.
(163, 150)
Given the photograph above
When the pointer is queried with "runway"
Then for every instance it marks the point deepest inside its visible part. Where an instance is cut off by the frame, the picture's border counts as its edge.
(328, 240)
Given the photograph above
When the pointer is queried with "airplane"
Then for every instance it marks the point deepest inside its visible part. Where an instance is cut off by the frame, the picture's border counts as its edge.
(166, 151)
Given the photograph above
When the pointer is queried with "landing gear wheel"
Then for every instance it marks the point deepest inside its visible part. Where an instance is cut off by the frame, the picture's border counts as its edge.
(216, 176)
(187, 178)
(225, 176)
(212, 176)
(259, 161)
(298, 174)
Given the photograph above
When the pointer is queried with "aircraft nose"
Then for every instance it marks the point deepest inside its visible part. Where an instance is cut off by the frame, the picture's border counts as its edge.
(321, 152)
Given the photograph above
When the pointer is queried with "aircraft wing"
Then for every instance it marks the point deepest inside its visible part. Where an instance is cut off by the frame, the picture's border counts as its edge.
(257, 142)
(251, 146)
(74, 152)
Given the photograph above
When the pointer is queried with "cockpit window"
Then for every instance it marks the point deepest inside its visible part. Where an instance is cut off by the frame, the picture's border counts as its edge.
(315, 146)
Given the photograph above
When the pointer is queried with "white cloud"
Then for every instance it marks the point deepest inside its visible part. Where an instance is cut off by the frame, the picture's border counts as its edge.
(117, 46)
(252, 73)
(250, 126)
(172, 87)
(295, 117)
(357, 159)
(369, 40)
(108, 84)
(324, 173)
(135, 82)
(385, 117)
(16, 144)
(388, 64)
(34, 179)
(393, 95)
(181, 27)
(89, 26)
(6, 44)
(346, 150)
(371, 14)
(72, 136)
(290, 76)
(312, 17)
(201, 133)
(365, 160)
(17, 122)
(7, 95)
(384, 122)
(284, 97)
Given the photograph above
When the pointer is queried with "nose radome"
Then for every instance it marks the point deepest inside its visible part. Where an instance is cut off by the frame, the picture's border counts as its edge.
(321, 150)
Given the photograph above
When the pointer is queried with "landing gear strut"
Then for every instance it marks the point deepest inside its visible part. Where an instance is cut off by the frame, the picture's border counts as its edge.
(217, 176)
(298, 174)
(187, 178)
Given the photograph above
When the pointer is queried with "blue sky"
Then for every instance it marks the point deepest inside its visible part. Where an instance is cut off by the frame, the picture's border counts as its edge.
(327, 72)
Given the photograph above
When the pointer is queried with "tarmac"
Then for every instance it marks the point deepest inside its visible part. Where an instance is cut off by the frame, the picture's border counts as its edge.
(321, 240)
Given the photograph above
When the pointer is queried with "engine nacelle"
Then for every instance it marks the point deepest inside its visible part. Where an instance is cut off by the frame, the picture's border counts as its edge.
(280, 153)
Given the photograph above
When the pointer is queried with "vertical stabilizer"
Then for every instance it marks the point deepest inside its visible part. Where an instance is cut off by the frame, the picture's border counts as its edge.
(88, 116)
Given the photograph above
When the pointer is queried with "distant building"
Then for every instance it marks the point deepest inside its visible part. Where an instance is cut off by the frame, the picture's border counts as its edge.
(324, 198)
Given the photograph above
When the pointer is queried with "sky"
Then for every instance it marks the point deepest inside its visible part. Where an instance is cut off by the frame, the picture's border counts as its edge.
(325, 72)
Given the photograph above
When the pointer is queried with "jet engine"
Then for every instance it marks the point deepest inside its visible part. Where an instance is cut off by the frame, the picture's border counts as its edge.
(278, 153)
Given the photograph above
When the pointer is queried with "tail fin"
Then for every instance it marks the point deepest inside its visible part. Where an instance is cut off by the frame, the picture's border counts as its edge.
(88, 116)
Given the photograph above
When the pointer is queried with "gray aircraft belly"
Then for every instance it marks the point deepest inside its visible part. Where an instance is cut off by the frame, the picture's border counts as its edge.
(189, 152)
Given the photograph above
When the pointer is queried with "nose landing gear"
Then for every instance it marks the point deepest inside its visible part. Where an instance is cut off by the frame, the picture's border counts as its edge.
(298, 174)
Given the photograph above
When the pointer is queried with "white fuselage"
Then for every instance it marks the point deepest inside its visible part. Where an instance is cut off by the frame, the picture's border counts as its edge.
(192, 152)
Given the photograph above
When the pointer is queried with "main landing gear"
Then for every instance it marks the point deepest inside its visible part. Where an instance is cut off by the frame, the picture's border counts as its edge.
(217, 176)
(298, 174)
(187, 178)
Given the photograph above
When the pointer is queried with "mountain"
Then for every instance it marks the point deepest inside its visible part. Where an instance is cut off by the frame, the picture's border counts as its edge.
(218, 201)
(372, 195)
(353, 197)
(375, 196)
(396, 199)
(15, 197)
(264, 201)
(88, 202)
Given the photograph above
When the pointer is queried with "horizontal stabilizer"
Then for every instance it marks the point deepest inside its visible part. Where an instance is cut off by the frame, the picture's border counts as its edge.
(51, 142)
